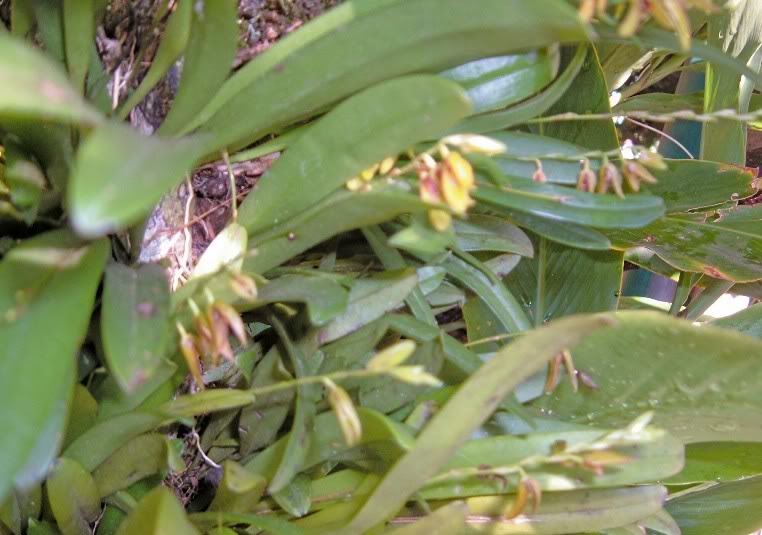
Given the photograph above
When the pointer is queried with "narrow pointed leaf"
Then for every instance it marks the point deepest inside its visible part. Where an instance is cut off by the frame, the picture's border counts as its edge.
(156, 514)
(73, 497)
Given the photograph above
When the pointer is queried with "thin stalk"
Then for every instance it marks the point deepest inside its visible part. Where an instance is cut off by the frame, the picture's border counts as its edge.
(684, 285)
(707, 298)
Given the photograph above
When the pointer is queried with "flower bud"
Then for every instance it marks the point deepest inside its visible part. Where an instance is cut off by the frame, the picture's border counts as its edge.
(349, 420)
(610, 178)
(586, 179)
(190, 353)
(475, 143)
(392, 356)
(440, 219)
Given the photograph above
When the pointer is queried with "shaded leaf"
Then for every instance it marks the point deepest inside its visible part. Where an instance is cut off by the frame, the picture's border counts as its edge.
(141, 457)
(79, 31)
(295, 498)
(156, 514)
(719, 461)
(498, 82)
(34, 87)
(239, 490)
(207, 60)
(49, 280)
(701, 381)
(73, 497)
(381, 121)
(135, 322)
(729, 248)
(454, 33)
(119, 174)
(369, 299)
(489, 233)
(325, 298)
(728, 507)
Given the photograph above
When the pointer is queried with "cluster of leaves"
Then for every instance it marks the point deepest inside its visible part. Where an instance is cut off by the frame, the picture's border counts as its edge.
(326, 397)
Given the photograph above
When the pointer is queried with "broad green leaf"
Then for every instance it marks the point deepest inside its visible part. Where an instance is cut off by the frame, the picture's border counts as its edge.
(719, 461)
(659, 103)
(103, 439)
(569, 512)
(468, 408)
(19, 508)
(447, 520)
(381, 121)
(113, 401)
(531, 107)
(389, 42)
(82, 415)
(747, 321)
(305, 409)
(489, 233)
(206, 401)
(561, 280)
(49, 281)
(325, 298)
(498, 82)
(73, 497)
(369, 299)
(701, 381)
(569, 205)
(587, 94)
(295, 498)
(119, 174)
(172, 45)
(727, 248)
(725, 508)
(652, 456)
(563, 233)
(207, 61)
(24, 178)
(40, 527)
(34, 87)
(135, 322)
(157, 514)
(684, 185)
(79, 31)
(139, 458)
(339, 212)
(239, 490)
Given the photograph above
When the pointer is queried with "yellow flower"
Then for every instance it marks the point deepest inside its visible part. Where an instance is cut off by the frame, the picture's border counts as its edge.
(456, 180)
(440, 219)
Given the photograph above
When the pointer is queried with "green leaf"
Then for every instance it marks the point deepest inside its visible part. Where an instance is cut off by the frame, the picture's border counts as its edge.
(662, 103)
(560, 281)
(748, 321)
(492, 291)
(34, 87)
(570, 512)
(295, 498)
(172, 45)
(384, 439)
(24, 178)
(701, 381)
(453, 34)
(567, 234)
(73, 497)
(369, 299)
(49, 281)
(719, 461)
(498, 82)
(305, 409)
(156, 514)
(207, 61)
(587, 94)
(339, 212)
(206, 401)
(381, 121)
(82, 415)
(490, 233)
(727, 248)
(239, 490)
(79, 31)
(391, 258)
(276, 526)
(531, 107)
(139, 458)
(569, 205)
(135, 322)
(325, 298)
(225, 252)
(447, 520)
(652, 456)
(119, 174)
(466, 410)
(728, 507)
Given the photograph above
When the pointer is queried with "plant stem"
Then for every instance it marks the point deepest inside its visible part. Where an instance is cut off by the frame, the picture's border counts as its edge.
(707, 298)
